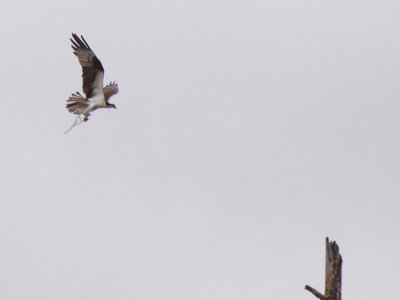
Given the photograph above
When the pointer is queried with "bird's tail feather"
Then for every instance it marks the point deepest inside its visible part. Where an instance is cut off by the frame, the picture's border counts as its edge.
(77, 104)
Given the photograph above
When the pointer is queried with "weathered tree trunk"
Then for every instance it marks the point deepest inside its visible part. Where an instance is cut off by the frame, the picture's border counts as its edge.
(333, 274)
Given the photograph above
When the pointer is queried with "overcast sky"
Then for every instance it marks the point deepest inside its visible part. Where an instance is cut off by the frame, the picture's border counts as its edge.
(245, 133)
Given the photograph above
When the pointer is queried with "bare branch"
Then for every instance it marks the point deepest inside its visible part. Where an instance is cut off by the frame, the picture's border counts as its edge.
(315, 292)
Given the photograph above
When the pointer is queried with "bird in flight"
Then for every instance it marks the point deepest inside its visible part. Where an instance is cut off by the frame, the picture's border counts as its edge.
(95, 95)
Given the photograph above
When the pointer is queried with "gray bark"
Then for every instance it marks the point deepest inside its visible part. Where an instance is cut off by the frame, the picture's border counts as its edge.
(333, 274)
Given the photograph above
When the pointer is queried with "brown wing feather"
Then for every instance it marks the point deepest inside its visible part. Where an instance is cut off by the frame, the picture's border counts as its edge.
(110, 90)
(92, 69)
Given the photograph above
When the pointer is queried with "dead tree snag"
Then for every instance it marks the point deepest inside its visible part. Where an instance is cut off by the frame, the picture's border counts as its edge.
(333, 274)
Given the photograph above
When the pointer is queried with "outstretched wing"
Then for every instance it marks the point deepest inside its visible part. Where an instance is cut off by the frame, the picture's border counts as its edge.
(110, 90)
(92, 69)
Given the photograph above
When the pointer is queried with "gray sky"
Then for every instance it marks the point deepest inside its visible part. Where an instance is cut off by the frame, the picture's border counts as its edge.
(246, 132)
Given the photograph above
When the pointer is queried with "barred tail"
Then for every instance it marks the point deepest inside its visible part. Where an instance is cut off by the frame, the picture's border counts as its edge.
(77, 104)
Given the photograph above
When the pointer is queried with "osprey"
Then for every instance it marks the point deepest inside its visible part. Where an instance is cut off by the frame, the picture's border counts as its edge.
(96, 96)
